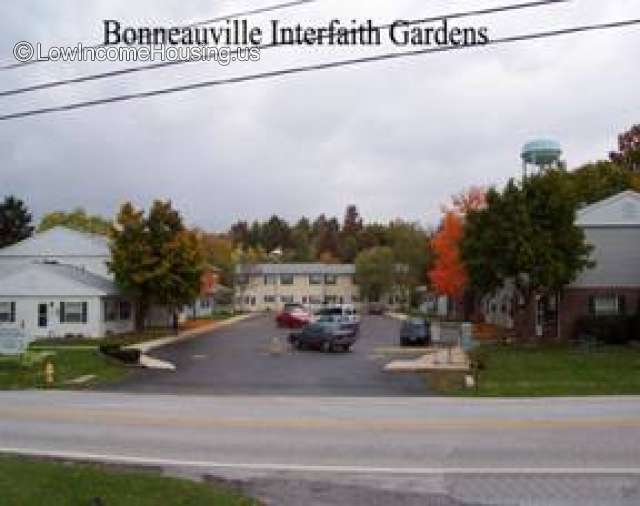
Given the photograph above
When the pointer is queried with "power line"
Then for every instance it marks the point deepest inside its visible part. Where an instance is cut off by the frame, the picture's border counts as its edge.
(250, 12)
(320, 66)
(154, 66)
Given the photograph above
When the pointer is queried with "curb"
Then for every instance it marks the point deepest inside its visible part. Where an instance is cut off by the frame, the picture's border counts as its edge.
(397, 316)
(185, 336)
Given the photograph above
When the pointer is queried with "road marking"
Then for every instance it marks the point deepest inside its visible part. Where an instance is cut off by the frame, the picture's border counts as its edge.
(105, 417)
(155, 461)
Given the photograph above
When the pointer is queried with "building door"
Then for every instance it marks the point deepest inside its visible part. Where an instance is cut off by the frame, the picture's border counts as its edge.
(43, 319)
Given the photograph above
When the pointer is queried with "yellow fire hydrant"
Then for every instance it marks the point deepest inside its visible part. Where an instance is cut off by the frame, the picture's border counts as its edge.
(49, 372)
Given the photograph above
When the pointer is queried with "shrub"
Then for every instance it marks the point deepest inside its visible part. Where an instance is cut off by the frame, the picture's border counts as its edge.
(614, 329)
(478, 357)
(126, 355)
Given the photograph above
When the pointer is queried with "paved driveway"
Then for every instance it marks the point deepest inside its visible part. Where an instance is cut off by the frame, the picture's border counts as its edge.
(236, 360)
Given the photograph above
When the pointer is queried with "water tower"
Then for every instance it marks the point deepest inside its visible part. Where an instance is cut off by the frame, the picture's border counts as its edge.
(540, 155)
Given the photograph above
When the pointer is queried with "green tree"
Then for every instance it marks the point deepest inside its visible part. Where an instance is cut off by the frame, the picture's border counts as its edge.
(15, 221)
(77, 219)
(526, 233)
(155, 259)
(375, 272)
(599, 180)
(411, 249)
(217, 250)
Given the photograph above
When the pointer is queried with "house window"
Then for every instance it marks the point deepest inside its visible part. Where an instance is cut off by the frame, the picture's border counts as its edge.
(315, 300)
(7, 312)
(330, 279)
(330, 299)
(269, 299)
(110, 310)
(270, 279)
(607, 305)
(73, 312)
(315, 279)
(242, 279)
(286, 299)
(125, 310)
(286, 279)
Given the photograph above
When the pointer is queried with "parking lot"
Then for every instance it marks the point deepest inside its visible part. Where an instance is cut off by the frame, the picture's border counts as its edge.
(238, 360)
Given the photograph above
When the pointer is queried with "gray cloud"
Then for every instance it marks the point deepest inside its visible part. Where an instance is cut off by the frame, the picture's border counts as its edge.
(396, 138)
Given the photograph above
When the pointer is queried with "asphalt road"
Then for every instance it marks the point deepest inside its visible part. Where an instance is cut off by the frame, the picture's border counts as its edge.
(292, 450)
(237, 360)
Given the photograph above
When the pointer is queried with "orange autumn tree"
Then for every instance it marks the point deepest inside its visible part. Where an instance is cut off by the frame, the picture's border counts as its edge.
(449, 275)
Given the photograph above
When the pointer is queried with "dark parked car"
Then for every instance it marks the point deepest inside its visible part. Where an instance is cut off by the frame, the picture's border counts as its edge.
(415, 332)
(321, 337)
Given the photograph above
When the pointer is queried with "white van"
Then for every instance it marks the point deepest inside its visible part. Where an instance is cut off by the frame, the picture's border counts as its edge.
(345, 314)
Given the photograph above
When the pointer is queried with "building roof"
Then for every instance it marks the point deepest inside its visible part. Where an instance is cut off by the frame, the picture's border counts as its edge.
(622, 209)
(295, 268)
(57, 242)
(40, 279)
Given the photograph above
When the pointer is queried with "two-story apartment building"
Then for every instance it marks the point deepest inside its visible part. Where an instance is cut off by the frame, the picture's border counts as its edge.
(268, 287)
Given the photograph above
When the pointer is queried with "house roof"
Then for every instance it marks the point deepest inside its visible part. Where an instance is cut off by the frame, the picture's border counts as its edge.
(622, 209)
(294, 268)
(40, 279)
(57, 242)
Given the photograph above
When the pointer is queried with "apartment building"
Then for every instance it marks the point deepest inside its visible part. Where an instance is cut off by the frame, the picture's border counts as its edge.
(268, 287)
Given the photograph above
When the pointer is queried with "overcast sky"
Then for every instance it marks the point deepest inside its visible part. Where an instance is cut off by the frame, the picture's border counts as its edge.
(396, 138)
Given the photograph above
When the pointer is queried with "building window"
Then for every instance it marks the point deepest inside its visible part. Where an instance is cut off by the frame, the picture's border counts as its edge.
(125, 310)
(315, 300)
(286, 279)
(73, 312)
(286, 299)
(7, 312)
(607, 305)
(270, 279)
(205, 303)
(110, 310)
(315, 279)
(330, 279)
(242, 279)
(330, 299)
(269, 299)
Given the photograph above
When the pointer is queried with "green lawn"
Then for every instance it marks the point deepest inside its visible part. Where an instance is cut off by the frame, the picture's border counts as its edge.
(557, 370)
(70, 363)
(32, 482)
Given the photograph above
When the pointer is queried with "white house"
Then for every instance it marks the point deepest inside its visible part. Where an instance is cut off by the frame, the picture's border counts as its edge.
(41, 275)
(51, 300)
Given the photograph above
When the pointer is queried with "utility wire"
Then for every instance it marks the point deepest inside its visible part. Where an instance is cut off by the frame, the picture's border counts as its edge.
(195, 24)
(164, 64)
(320, 66)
